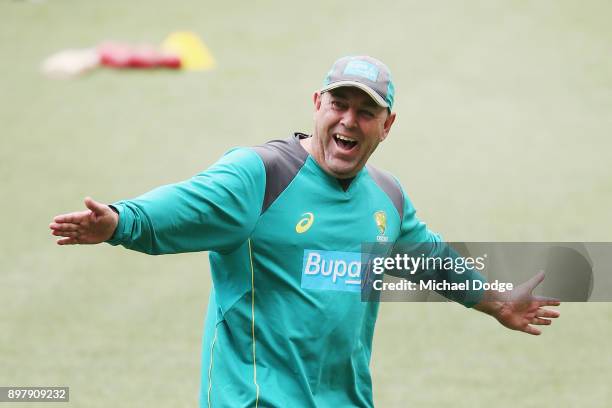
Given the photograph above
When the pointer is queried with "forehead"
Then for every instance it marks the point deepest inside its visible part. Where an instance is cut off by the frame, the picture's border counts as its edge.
(353, 94)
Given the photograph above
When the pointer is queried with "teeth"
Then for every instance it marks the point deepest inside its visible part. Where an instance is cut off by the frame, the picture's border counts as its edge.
(348, 139)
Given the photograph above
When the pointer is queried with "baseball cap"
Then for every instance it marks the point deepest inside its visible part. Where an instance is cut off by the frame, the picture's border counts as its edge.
(363, 72)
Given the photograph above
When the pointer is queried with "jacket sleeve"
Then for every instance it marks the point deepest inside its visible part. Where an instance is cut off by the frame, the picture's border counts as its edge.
(215, 210)
(417, 240)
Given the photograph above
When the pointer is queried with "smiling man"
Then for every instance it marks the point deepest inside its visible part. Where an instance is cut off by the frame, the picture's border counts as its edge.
(352, 115)
(284, 223)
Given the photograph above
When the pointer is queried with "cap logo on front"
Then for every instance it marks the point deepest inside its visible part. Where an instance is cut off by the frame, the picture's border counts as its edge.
(363, 69)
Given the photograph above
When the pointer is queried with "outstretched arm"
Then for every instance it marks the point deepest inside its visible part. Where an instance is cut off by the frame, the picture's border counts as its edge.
(519, 309)
(92, 226)
(214, 210)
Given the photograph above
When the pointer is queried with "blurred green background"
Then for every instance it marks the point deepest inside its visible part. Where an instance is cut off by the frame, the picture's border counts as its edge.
(503, 133)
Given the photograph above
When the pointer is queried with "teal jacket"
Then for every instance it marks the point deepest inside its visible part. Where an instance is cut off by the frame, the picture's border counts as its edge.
(285, 325)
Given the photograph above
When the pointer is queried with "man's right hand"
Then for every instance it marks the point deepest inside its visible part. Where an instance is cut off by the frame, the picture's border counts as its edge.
(92, 226)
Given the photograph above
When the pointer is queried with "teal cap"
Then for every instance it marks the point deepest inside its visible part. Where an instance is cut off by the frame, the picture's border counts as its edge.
(363, 72)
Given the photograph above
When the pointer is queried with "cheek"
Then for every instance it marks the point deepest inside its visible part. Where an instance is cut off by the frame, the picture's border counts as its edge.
(372, 146)
(329, 119)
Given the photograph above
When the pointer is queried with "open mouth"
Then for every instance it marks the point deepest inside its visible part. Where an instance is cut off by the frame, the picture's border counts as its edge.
(345, 143)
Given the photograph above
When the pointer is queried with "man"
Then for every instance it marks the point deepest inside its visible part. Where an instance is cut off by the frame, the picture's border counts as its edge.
(284, 222)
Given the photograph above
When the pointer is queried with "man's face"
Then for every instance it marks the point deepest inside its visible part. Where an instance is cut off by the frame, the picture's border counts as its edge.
(349, 125)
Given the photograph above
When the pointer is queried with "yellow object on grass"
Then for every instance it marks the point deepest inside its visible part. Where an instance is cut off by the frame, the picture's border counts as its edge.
(194, 54)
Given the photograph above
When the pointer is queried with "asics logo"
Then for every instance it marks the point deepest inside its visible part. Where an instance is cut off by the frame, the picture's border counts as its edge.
(304, 223)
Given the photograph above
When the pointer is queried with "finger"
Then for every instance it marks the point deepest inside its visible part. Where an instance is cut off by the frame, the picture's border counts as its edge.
(543, 322)
(547, 313)
(67, 241)
(547, 301)
(66, 233)
(532, 330)
(535, 280)
(64, 226)
(74, 217)
(96, 207)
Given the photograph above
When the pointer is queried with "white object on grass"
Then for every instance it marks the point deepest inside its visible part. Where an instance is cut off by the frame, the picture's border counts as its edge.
(70, 63)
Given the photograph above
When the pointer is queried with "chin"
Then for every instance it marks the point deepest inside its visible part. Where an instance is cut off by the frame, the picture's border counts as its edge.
(343, 172)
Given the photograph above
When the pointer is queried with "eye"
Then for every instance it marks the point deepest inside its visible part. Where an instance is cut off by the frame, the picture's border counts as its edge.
(366, 113)
(338, 105)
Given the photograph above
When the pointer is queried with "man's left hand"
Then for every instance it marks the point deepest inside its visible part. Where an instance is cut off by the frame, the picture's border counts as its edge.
(519, 309)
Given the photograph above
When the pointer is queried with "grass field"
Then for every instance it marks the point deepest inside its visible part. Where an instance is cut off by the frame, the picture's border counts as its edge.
(503, 133)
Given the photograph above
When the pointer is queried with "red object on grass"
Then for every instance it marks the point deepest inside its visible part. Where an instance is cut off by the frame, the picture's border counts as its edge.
(136, 56)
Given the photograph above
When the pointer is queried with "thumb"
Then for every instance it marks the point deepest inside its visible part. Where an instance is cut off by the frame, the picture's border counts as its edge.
(96, 207)
(535, 280)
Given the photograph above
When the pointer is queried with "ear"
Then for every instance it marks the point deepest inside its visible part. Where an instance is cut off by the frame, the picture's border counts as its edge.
(316, 98)
(387, 125)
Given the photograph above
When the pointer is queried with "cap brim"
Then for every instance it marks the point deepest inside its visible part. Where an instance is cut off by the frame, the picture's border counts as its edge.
(373, 94)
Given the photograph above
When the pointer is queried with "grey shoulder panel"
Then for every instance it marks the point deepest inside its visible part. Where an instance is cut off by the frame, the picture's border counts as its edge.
(282, 160)
(388, 184)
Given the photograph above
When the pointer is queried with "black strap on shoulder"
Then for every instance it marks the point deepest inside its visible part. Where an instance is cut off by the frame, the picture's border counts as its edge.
(282, 160)
(389, 185)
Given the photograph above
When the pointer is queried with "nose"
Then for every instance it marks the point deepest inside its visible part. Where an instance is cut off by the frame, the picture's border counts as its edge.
(349, 118)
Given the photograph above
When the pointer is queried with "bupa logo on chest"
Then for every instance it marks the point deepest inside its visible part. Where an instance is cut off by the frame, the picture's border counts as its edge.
(331, 270)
